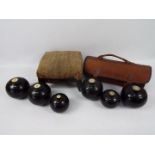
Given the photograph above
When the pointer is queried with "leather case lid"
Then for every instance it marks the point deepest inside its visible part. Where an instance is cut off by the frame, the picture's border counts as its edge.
(119, 72)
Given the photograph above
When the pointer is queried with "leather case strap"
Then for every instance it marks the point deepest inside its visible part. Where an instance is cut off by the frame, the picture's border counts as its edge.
(113, 55)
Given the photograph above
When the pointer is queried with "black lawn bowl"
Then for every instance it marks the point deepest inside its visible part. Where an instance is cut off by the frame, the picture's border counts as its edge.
(39, 94)
(17, 88)
(133, 96)
(110, 98)
(59, 102)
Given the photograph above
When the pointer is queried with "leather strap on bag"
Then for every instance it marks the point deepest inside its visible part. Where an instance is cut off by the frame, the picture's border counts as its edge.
(113, 55)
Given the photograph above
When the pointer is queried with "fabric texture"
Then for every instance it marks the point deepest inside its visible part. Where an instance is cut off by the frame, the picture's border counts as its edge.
(61, 65)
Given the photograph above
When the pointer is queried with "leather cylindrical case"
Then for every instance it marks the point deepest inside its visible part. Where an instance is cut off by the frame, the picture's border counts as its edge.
(117, 72)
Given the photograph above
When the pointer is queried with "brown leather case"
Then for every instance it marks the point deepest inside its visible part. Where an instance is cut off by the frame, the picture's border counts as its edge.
(117, 72)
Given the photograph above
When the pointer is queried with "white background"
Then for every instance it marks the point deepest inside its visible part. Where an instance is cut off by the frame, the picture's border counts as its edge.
(23, 42)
